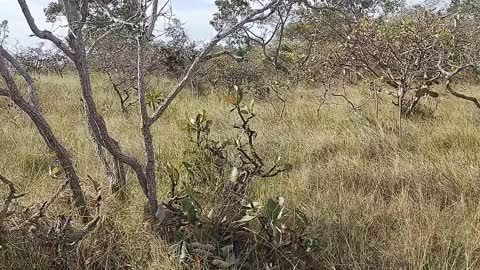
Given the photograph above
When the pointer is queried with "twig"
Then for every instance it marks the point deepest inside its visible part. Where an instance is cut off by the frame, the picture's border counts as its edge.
(12, 195)
(42, 210)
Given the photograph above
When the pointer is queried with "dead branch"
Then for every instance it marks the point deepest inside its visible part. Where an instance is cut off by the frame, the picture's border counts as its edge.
(33, 219)
(61, 232)
(12, 195)
(221, 53)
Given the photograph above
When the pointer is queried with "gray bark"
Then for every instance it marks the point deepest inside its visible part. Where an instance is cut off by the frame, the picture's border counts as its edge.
(32, 90)
(145, 128)
(49, 138)
(76, 14)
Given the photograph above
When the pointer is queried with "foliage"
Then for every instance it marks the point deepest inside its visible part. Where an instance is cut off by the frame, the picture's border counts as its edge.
(209, 218)
(405, 51)
(205, 184)
(3, 31)
(154, 98)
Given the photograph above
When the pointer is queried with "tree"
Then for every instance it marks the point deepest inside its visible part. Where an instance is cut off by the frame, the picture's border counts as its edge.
(406, 51)
(76, 48)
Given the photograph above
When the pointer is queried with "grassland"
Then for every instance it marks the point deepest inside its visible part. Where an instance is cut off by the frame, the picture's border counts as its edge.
(376, 200)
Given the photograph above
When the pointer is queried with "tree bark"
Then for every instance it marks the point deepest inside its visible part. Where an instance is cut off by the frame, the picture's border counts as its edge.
(50, 140)
(145, 128)
(32, 90)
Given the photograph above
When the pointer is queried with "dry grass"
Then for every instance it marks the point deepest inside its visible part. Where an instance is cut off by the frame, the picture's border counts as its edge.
(376, 201)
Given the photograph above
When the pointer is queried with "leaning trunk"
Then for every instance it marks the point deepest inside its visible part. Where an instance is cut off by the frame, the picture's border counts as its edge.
(50, 140)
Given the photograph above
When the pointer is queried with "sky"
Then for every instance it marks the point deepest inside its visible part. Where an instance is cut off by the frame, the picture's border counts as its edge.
(195, 15)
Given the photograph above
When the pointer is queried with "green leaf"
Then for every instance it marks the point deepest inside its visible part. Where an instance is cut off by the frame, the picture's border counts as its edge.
(190, 209)
(189, 168)
(250, 204)
(54, 172)
(274, 209)
(204, 116)
(172, 172)
(311, 244)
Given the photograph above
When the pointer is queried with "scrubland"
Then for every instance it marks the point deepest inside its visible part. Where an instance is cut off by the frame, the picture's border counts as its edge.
(376, 200)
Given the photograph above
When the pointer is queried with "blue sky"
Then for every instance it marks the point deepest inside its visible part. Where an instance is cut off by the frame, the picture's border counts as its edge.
(195, 14)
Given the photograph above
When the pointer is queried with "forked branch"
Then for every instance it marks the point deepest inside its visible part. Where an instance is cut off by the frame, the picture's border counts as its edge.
(448, 78)
(5, 212)
(255, 15)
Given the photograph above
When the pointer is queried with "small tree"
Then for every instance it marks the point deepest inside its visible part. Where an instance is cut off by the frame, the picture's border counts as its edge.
(404, 51)
(78, 15)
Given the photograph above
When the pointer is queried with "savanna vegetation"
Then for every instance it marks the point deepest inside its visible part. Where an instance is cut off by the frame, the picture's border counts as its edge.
(303, 135)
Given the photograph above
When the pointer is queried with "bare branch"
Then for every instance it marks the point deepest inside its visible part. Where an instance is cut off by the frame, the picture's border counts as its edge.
(460, 95)
(255, 15)
(4, 92)
(84, 11)
(99, 39)
(153, 17)
(448, 77)
(43, 34)
(12, 195)
(42, 210)
(31, 85)
(49, 138)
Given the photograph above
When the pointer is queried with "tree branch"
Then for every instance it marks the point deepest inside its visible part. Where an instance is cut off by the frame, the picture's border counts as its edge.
(113, 18)
(4, 92)
(448, 77)
(257, 14)
(31, 85)
(12, 195)
(49, 138)
(43, 34)
(323, 5)
(99, 39)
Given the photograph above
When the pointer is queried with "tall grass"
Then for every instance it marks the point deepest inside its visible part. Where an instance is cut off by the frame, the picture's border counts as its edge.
(376, 200)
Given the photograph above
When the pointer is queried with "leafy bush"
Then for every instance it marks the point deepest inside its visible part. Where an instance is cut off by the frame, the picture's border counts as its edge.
(209, 219)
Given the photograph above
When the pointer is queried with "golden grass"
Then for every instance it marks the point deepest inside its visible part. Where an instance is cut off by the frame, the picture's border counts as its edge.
(376, 201)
